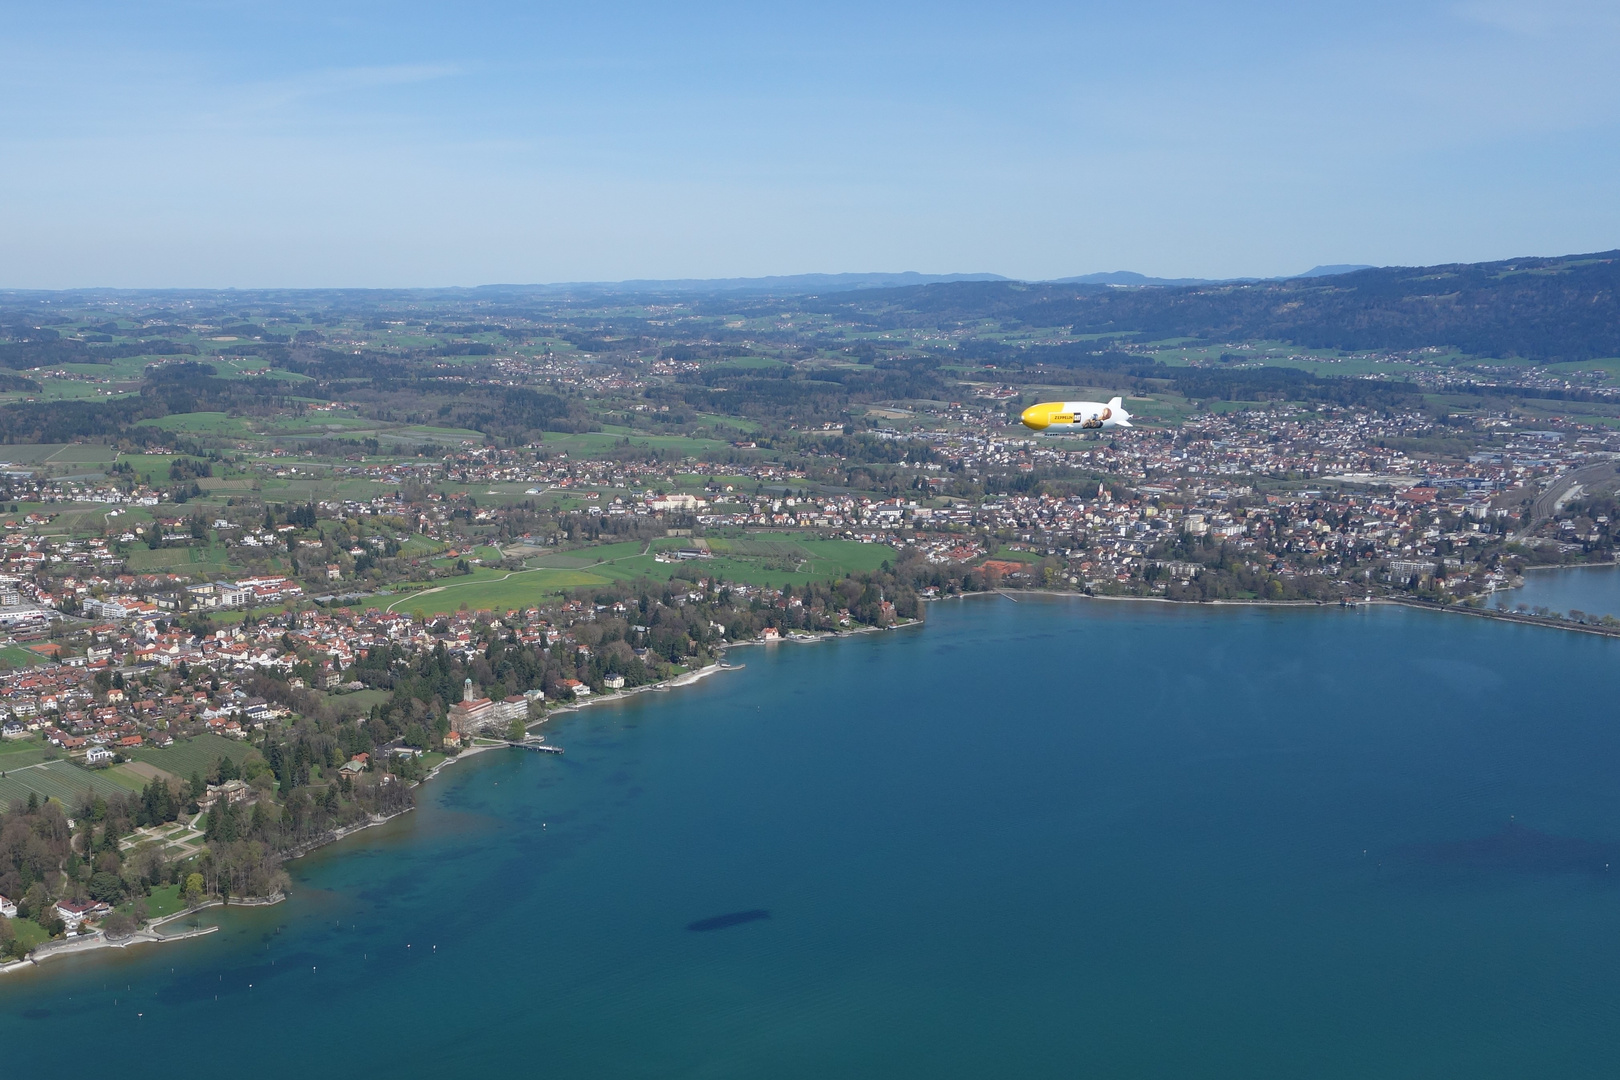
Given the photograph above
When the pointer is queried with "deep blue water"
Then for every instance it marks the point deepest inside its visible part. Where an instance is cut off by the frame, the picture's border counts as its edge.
(1052, 838)
(1592, 589)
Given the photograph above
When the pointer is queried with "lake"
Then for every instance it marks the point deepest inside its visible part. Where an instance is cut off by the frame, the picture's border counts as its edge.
(1592, 589)
(1050, 838)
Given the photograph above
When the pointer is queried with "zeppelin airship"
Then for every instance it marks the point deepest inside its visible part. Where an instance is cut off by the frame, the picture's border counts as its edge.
(1065, 417)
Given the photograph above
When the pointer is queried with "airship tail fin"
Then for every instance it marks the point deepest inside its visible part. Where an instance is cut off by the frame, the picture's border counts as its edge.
(1117, 407)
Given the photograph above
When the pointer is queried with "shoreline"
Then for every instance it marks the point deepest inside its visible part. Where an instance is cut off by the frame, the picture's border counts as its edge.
(146, 935)
(149, 934)
(1014, 594)
(1499, 614)
(1573, 566)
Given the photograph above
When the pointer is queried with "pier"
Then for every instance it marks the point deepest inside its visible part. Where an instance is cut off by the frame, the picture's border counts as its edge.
(535, 745)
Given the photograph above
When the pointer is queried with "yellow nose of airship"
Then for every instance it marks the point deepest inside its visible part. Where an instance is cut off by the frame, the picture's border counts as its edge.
(1037, 417)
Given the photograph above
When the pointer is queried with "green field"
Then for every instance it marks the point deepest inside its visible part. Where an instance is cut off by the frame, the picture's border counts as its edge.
(55, 780)
(15, 753)
(594, 442)
(59, 458)
(84, 453)
(159, 902)
(201, 423)
(15, 656)
(498, 593)
(356, 702)
(29, 932)
(30, 453)
(1006, 555)
(80, 522)
(200, 560)
(785, 559)
(253, 368)
(197, 755)
(152, 468)
(418, 546)
(129, 781)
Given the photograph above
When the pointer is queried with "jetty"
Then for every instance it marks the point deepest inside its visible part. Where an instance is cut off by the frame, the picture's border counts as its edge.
(536, 745)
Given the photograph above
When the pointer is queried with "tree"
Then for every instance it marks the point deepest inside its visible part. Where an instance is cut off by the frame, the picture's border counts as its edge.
(118, 925)
(193, 890)
(108, 888)
(518, 730)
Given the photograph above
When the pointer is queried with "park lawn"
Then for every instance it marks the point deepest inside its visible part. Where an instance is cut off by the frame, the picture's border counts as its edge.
(749, 561)
(159, 902)
(356, 702)
(751, 572)
(521, 589)
(840, 557)
(30, 933)
(198, 559)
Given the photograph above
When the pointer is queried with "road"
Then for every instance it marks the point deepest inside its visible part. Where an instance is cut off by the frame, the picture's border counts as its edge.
(1565, 488)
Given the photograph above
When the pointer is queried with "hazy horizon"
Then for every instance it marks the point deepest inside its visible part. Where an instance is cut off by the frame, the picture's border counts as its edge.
(365, 145)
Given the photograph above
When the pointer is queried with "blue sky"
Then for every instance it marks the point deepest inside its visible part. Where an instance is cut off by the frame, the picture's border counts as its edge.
(240, 143)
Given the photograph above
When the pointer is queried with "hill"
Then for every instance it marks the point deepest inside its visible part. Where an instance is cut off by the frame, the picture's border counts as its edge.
(1542, 309)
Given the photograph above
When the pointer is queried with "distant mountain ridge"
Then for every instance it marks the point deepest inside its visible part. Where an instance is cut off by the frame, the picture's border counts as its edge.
(1334, 269)
(1131, 277)
(1561, 308)
(807, 283)
(784, 283)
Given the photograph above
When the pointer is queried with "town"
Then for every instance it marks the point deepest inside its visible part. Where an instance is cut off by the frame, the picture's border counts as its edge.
(264, 569)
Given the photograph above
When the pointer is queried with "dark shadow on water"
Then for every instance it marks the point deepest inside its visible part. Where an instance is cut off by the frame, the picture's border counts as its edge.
(734, 918)
(35, 1014)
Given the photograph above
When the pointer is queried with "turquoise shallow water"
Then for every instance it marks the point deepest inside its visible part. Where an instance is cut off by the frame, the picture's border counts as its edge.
(1051, 838)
